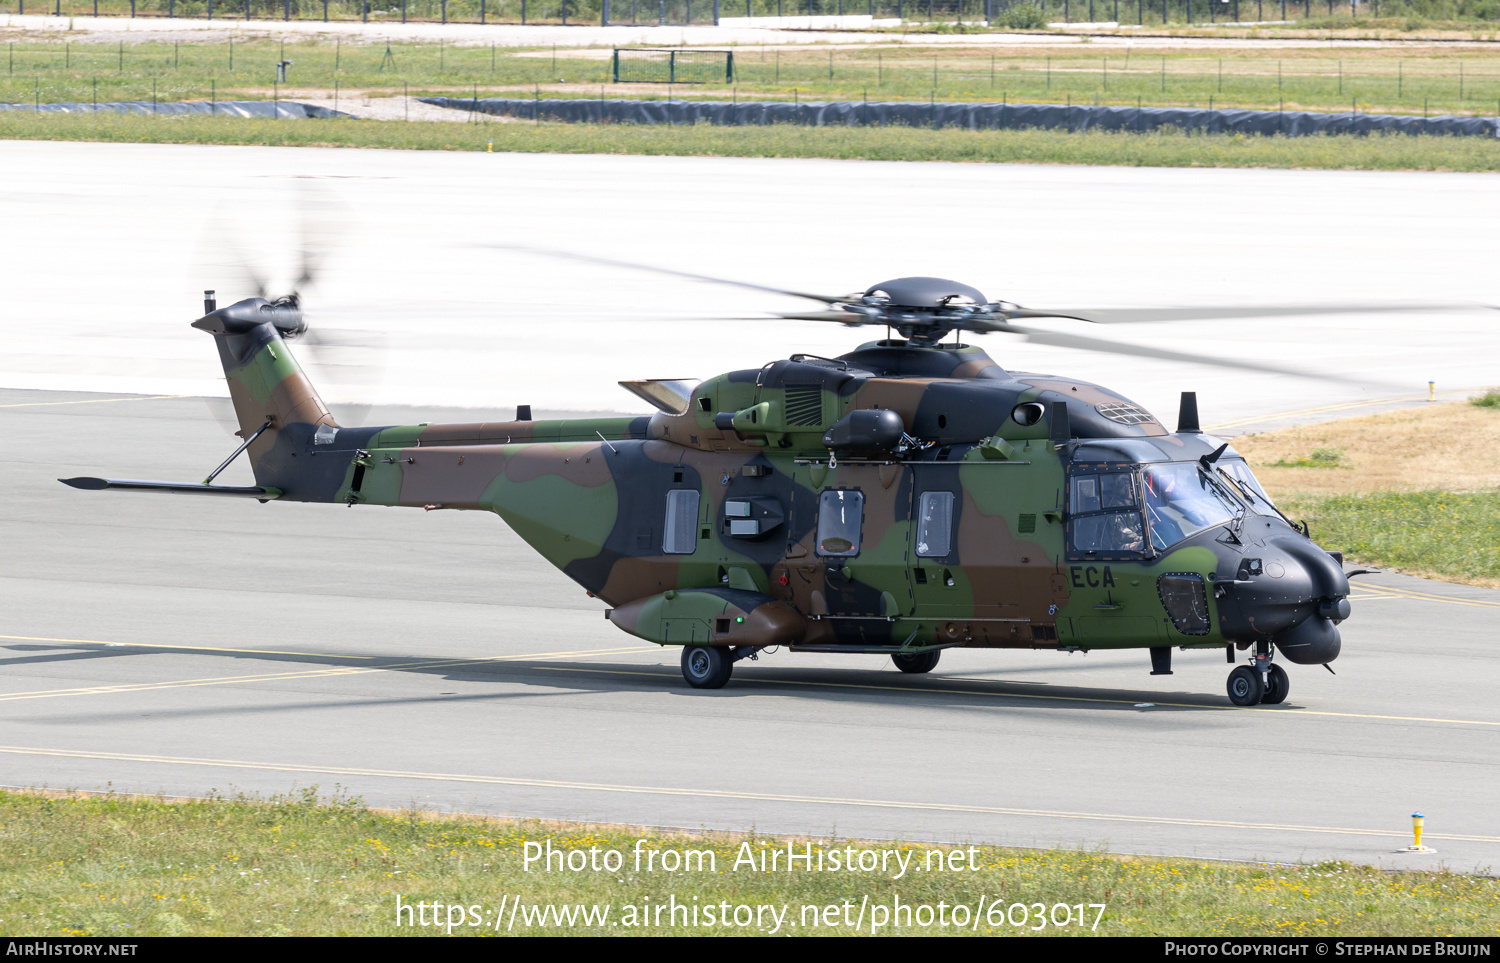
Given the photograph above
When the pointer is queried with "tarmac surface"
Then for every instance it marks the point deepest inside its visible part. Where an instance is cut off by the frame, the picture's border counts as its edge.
(432, 291)
(178, 645)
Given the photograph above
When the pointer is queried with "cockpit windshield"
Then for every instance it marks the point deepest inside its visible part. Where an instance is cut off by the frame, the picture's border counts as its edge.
(1240, 473)
(1181, 499)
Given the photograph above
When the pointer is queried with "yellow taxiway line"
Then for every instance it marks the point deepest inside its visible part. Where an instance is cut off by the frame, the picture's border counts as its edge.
(188, 648)
(304, 673)
(635, 649)
(94, 401)
(1045, 697)
(352, 771)
(1402, 593)
(1323, 409)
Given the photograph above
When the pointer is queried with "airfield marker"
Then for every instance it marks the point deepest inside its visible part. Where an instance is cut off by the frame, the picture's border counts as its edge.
(1416, 828)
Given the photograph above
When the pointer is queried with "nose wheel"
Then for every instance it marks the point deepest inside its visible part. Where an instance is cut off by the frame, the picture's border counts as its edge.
(1245, 687)
(1280, 684)
(1249, 686)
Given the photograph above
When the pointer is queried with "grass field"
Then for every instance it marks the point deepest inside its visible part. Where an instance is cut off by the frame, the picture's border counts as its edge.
(1433, 79)
(1165, 149)
(1412, 490)
(129, 866)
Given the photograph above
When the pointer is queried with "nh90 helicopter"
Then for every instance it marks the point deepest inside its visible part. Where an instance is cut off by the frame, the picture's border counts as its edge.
(904, 498)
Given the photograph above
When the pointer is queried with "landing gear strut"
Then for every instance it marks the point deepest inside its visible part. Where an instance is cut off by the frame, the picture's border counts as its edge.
(1262, 682)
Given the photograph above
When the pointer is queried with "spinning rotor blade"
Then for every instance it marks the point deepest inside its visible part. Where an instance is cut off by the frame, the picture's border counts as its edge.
(291, 249)
(669, 272)
(1060, 339)
(1212, 313)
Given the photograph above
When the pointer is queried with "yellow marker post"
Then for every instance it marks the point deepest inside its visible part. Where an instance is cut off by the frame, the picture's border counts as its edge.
(1416, 829)
(1431, 396)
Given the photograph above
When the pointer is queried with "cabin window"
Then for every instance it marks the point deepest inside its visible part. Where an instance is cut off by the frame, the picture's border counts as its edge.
(840, 517)
(682, 522)
(935, 524)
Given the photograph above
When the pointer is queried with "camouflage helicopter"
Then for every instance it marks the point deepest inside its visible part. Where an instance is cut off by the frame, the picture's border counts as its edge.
(904, 498)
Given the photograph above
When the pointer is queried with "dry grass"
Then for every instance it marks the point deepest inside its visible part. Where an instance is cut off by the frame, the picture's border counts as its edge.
(1441, 447)
(1415, 491)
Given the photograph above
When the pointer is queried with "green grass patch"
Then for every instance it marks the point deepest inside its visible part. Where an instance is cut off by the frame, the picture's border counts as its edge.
(1319, 458)
(111, 866)
(1490, 399)
(1160, 149)
(1424, 533)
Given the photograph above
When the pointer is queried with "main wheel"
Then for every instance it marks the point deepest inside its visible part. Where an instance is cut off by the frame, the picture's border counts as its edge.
(706, 666)
(917, 662)
(1281, 684)
(1245, 688)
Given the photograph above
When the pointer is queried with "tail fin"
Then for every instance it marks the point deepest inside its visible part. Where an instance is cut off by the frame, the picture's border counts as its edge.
(268, 388)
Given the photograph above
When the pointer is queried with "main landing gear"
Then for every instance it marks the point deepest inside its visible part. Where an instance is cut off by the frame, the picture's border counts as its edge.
(917, 662)
(1262, 682)
(709, 666)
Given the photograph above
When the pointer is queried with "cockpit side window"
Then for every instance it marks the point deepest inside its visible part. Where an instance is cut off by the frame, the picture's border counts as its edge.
(1104, 515)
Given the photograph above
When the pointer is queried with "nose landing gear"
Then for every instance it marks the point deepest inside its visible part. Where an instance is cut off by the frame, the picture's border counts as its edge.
(1262, 682)
(1245, 686)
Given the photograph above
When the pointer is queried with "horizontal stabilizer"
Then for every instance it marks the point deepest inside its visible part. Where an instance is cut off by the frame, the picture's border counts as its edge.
(180, 488)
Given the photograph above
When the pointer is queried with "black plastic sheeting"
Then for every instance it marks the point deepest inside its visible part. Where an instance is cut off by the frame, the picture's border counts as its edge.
(229, 108)
(1292, 123)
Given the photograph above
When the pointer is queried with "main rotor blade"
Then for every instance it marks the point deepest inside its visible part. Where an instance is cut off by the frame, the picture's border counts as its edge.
(1212, 313)
(1061, 339)
(837, 317)
(669, 272)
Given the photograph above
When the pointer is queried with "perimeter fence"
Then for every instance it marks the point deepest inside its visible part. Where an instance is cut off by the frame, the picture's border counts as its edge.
(1008, 13)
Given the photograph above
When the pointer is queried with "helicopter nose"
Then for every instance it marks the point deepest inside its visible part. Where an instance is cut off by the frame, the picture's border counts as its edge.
(1289, 591)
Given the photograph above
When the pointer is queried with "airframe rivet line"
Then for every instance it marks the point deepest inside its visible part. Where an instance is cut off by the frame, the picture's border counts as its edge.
(1280, 710)
(94, 401)
(725, 794)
